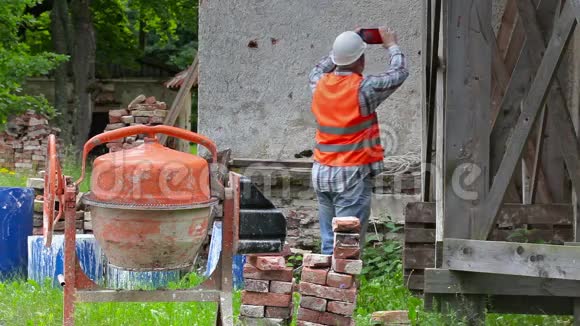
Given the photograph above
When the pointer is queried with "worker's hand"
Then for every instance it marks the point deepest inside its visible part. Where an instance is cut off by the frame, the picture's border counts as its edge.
(389, 37)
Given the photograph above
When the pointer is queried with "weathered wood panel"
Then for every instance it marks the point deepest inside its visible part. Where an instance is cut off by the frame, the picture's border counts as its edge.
(419, 258)
(525, 259)
(534, 101)
(447, 281)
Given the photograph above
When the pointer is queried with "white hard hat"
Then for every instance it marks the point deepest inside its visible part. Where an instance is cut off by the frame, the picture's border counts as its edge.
(347, 48)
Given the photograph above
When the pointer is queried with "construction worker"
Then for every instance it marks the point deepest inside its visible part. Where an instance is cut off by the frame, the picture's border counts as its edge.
(348, 151)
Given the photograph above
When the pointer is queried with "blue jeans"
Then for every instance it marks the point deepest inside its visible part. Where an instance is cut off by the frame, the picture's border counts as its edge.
(354, 201)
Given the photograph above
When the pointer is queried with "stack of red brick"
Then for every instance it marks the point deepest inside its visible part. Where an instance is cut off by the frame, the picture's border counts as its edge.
(327, 284)
(24, 140)
(267, 296)
(141, 111)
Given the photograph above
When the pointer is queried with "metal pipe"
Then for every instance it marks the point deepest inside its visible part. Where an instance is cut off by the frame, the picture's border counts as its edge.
(60, 278)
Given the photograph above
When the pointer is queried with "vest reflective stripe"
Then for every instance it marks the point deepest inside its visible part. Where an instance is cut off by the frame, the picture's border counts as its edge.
(367, 143)
(348, 130)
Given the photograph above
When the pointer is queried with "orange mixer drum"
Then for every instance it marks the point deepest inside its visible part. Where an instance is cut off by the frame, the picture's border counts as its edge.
(150, 205)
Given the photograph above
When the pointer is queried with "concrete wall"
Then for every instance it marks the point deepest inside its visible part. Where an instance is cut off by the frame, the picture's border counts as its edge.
(256, 101)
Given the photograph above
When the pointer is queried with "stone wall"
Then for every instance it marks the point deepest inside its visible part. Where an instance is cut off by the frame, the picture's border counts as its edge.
(290, 190)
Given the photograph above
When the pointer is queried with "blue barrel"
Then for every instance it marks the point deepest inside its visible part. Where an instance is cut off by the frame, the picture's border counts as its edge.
(16, 205)
(46, 263)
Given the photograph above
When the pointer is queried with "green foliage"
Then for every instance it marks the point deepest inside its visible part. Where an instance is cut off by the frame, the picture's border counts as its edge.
(381, 257)
(17, 61)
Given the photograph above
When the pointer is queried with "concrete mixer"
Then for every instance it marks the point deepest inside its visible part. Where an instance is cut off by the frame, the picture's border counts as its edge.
(151, 211)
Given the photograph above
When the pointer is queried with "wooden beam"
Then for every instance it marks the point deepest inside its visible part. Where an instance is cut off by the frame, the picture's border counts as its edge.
(468, 90)
(180, 98)
(426, 54)
(534, 101)
(448, 281)
(509, 214)
(537, 158)
(523, 259)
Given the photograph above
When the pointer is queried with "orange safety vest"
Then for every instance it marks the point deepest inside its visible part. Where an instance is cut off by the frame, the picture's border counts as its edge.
(344, 137)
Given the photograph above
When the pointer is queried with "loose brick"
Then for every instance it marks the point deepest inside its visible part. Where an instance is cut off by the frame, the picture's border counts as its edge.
(142, 113)
(314, 275)
(252, 272)
(150, 100)
(306, 323)
(347, 295)
(313, 303)
(156, 120)
(324, 318)
(128, 119)
(160, 113)
(346, 240)
(142, 120)
(249, 321)
(269, 263)
(347, 266)
(341, 281)
(347, 252)
(281, 287)
(278, 312)
(349, 224)
(341, 308)
(252, 311)
(115, 115)
(266, 299)
(317, 261)
(400, 317)
(256, 285)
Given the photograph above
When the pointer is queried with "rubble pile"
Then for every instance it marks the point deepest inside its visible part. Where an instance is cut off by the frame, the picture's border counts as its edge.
(141, 111)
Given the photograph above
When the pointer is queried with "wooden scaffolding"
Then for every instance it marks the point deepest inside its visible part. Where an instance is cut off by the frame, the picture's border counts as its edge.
(501, 155)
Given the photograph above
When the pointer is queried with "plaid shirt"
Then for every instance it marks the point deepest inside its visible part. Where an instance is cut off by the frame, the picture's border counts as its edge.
(373, 91)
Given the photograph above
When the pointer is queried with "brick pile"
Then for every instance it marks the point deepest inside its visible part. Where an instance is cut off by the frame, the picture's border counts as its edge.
(268, 288)
(328, 287)
(141, 111)
(83, 218)
(24, 141)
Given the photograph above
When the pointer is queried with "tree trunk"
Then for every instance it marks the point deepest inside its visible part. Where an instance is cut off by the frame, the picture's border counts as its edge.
(60, 23)
(83, 64)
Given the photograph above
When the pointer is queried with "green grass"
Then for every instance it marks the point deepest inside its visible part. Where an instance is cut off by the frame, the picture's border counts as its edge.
(28, 303)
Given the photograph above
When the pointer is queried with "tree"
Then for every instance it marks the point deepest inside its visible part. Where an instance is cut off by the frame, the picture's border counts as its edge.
(17, 62)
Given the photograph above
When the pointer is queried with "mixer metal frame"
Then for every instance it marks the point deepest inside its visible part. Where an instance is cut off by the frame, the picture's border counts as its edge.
(217, 288)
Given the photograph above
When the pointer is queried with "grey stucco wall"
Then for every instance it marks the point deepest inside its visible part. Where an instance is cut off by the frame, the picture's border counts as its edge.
(256, 101)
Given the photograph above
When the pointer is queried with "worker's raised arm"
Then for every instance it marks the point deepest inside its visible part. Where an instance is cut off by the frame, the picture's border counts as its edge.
(375, 89)
(325, 65)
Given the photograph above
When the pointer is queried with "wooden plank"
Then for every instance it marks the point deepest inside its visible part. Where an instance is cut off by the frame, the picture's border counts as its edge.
(414, 280)
(509, 214)
(511, 304)
(576, 308)
(537, 158)
(524, 259)
(468, 90)
(415, 235)
(177, 105)
(420, 212)
(447, 281)
(239, 162)
(532, 104)
(418, 258)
